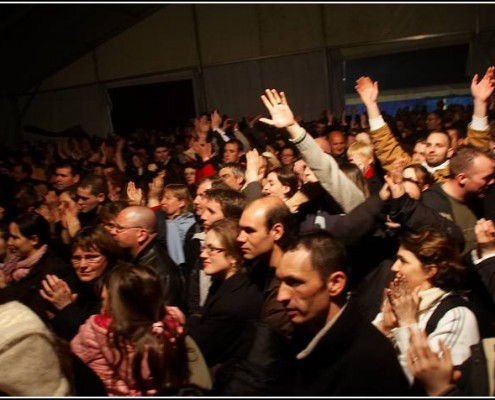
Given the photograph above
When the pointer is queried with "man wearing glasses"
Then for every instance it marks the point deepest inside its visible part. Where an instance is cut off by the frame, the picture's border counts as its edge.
(135, 230)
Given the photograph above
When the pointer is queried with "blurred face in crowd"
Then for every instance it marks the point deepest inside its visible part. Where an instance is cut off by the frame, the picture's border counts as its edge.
(228, 176)
(302, 291)
(161, 154)
(89, 265)
(63, 178)
(190, 175)
(437, 149)
(303, 172)
(18, 174)
(433, 122)
(215, 259)
(19, 244)
(212, 212)
(337, 143)
(231, 153)
(199, 201)
(66, 202)
(419, 152)
(171, 205)
(479, 176)
(408, 265)
(274, 187)
(86, 201)
(287, 157)
(255, 238)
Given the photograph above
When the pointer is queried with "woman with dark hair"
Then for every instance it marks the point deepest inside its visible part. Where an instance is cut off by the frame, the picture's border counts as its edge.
(281, 182)
(94, 252)
(232, 300)
(426, 295)
(32, 259)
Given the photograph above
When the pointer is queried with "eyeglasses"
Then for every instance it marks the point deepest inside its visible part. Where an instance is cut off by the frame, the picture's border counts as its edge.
(212, 250)
(119, 228)
(91, 259)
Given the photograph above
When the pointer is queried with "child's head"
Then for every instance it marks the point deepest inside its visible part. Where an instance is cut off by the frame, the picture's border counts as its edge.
(134, 297)
(176, 200)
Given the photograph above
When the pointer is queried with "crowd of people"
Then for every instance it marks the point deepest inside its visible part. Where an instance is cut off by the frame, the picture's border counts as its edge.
(270, 256)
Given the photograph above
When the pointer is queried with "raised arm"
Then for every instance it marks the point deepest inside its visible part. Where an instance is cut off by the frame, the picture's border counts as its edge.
(387, 148)
(326, 169)
(478, 132)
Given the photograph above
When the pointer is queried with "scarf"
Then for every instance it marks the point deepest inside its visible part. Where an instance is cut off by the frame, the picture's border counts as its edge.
(16, 269)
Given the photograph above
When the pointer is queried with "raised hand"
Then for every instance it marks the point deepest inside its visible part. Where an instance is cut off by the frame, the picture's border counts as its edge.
(253, 165)
(367, 90)
(204, 150)
(277, 106)
(134, 195)
(435, 373)
(57, 292)
(252, 122)
(216, 120)
(482, 89)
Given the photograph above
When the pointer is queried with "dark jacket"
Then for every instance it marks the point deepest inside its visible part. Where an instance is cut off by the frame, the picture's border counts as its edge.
(352, 359)
(156, 257)
(26, 290)
(436, 198)
(475, 378)
(67, 321)
(229, 306)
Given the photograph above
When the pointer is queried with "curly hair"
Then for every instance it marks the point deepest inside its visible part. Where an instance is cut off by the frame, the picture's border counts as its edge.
(435, 249)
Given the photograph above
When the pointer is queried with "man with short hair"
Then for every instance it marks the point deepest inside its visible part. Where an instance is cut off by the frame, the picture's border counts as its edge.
(337, 143)
(232, 151)
(336, 352)
(266, 227)
(135, 230)
(259, 366)
(419, 151)
(233, 175)
(458, 199)
(222, 203)
(434, 122)
(438, 144)
(66, 174)
(92, 193)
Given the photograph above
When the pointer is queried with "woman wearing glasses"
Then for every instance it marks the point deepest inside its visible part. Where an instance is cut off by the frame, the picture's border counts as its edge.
(232, 300)
(93, 254)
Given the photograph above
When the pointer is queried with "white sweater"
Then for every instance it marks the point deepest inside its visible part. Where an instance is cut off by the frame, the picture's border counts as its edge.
(29, 364)
(458, 329)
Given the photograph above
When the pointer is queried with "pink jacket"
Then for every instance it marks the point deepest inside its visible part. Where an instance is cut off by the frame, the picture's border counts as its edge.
(91, 345)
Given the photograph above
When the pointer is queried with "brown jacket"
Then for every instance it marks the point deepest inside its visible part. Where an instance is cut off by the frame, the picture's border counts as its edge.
(388, 149)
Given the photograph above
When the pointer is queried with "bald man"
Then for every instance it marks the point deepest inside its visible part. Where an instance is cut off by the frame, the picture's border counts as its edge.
(135, 230)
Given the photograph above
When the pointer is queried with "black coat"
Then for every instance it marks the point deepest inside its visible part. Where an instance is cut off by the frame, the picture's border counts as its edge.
(67, 321)
(155, 256)
(352, 359)
(229, 306)
(27, 289)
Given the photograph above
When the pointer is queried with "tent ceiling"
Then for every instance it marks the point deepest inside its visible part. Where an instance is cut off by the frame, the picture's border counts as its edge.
(37, 40)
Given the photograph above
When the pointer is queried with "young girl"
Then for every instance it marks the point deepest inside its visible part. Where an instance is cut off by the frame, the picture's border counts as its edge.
(177, 206)
(135, 346)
